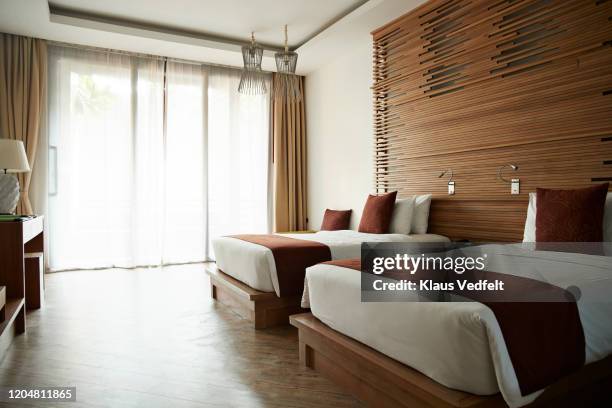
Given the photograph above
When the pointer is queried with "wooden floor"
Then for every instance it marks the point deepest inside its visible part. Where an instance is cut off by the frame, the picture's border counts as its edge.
(154, 338)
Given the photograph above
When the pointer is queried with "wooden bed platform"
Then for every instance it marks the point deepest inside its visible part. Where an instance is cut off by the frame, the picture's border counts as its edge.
(264, 309)
(381, 381)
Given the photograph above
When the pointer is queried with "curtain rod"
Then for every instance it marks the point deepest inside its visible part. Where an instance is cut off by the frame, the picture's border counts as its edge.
(140, 55)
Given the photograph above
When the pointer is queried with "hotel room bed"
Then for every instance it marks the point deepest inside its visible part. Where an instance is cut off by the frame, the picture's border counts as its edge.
(254, 264)
(460, 345)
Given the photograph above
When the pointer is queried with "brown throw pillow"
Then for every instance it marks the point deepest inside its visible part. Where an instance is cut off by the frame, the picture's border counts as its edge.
(377, 213)
(570, 215)
(334, 220)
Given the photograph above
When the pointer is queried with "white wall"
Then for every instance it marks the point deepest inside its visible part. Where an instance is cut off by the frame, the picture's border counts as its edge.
(339, 132)
(338, 66)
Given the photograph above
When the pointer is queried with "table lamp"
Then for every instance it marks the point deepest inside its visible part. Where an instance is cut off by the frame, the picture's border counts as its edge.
(12, 160)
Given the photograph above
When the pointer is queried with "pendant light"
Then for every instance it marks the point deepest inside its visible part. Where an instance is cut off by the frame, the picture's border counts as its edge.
(286, 83)
(252, 79)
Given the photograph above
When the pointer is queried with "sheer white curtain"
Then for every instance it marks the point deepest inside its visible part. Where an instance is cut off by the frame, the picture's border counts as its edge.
(238, 164)
(142, 175)
(185, 165)
(105, 116)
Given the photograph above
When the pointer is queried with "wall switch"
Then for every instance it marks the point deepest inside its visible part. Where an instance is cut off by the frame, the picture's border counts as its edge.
(515, 186)
(451, 187)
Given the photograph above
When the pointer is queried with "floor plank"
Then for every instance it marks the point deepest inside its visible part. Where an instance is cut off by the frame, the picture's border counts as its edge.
(154, 338)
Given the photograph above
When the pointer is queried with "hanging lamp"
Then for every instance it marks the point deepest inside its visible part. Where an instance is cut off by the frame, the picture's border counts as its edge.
(286, 83)
(252, 79)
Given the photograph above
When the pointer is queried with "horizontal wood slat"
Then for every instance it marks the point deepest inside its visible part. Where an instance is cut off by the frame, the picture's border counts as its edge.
(473, 85)
(483, 220)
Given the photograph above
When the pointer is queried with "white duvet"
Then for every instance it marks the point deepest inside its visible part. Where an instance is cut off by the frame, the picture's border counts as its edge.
(460, 345)
(254, 265)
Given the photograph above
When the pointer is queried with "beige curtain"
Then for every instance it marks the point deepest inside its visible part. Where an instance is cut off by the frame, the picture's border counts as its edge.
(23, 85)
(289, 144)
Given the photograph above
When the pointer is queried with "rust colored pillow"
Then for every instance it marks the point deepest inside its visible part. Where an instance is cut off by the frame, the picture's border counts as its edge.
(570, 215)
(377, 213)
(334, 220)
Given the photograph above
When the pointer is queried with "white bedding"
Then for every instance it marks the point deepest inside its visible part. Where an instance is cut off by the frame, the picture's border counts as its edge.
(254, 264)
(460, 345)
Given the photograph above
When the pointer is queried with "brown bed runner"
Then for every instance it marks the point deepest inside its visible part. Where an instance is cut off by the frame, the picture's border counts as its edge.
(354, 263)
(291, 256)
(545, 340)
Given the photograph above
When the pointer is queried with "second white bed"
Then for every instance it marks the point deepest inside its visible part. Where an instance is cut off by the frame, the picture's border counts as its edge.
(460, 345)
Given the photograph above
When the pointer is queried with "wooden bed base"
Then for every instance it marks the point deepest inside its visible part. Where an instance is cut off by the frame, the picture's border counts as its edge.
(383, 382)
(264, 309)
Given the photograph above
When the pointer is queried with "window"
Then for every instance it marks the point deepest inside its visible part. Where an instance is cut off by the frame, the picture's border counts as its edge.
(238, 148)
(149, 159)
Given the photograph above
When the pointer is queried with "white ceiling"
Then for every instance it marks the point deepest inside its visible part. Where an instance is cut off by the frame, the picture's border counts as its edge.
(233, 19)
(205, 30)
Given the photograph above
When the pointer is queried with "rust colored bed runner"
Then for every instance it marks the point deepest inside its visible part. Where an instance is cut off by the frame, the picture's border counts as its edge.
(292, 256)
(545, 340)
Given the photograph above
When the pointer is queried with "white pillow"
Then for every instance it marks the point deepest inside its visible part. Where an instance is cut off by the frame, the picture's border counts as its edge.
(530, 221)
(420, 216)
(401, 221)
(529, 235)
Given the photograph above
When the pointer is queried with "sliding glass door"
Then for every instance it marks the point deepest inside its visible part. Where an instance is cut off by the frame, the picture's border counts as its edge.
(238, 148)
(150, 159)
(185, 165)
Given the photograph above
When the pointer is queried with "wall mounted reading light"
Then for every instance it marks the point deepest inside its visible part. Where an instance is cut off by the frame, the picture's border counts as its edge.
(515, 184)
(451, 183)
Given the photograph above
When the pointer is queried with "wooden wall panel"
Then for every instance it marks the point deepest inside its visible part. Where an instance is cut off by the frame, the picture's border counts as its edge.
(473, 85)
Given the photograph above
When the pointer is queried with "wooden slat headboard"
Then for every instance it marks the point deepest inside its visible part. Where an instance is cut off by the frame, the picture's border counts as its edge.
(473, 85)
(479, 220)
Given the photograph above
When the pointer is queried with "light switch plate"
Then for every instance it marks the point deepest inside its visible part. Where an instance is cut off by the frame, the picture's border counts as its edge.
(451, 188)
(515, 186)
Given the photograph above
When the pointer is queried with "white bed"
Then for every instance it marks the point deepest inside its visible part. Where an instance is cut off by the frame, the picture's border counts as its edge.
(460, 345)
(253, 264)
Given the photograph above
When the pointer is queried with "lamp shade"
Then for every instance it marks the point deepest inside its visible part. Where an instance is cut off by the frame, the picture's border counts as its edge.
(13, 157)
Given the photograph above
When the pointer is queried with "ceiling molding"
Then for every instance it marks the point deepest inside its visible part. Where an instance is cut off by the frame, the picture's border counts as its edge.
(341, 34)
(331, 23)
(96, 21)
(117, 25)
